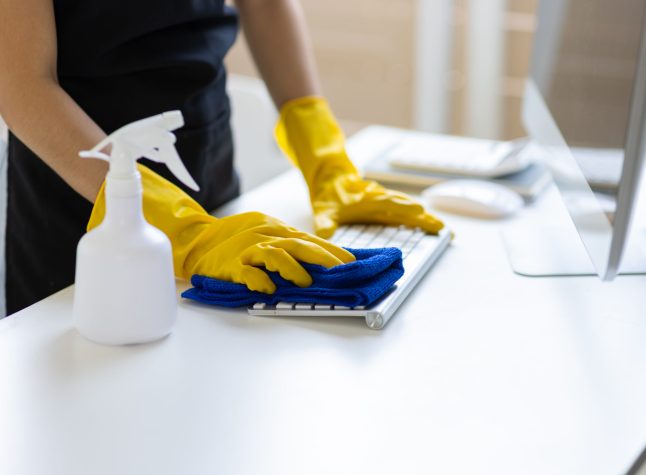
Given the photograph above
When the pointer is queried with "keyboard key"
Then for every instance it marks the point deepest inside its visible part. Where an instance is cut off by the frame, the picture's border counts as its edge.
(303, 306)
(388, 233)
(320, 306)
(284, 306)
(403, 235)
(360, 244)
(373, 229)
(418, 235)
(339, 236)
(259, 306)
(406, 250)
(353, 231)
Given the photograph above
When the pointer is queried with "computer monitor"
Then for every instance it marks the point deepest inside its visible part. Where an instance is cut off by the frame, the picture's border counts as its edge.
(585, 99)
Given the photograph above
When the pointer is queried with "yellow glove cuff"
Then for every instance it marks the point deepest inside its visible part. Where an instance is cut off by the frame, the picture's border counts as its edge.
(309, 135)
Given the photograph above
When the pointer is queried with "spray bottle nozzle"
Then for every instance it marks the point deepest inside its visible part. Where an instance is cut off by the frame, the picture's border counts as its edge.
(172, 120)
(151, 138)
(92, 154)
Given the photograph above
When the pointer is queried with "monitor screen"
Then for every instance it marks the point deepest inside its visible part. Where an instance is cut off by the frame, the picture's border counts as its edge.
(586, 68)
(578, 104)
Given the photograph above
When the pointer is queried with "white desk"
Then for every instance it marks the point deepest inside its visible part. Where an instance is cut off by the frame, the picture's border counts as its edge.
(481, 372)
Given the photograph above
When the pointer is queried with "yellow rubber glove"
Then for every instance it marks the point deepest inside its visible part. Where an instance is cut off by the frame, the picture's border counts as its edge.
(311, 138)
(230, 248)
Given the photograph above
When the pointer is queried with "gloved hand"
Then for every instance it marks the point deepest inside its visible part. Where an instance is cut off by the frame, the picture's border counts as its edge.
(310, 137)
(230, 248)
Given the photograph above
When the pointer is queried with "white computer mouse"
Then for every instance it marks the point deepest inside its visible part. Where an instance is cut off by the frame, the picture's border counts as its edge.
(475, 198)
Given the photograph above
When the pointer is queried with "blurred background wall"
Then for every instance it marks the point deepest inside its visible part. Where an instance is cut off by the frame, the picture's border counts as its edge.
(453, 66)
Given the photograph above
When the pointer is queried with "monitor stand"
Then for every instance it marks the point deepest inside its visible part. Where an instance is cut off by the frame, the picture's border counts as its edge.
(550, 251)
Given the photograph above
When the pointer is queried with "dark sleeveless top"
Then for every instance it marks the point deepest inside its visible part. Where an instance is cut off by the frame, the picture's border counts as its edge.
(121, 60)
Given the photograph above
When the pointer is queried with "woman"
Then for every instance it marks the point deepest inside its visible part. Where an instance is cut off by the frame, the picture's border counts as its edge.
(72, 70)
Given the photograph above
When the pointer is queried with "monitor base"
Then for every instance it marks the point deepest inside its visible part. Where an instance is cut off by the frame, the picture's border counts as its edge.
(558, 251)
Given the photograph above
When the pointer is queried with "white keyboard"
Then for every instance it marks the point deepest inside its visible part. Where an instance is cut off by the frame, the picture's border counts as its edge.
(448, 155)
(372, 236)
(419, 250)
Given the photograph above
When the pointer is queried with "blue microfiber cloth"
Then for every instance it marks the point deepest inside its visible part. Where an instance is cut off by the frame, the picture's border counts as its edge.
(358, 283)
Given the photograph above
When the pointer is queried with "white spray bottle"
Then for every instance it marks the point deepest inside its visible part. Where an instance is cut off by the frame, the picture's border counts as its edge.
(125, 288)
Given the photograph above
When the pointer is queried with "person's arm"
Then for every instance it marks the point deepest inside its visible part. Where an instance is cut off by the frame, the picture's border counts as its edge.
(307, 130)
(36, 109)
(277, 36)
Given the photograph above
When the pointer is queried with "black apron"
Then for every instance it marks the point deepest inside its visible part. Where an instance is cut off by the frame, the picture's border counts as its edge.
(121, 60)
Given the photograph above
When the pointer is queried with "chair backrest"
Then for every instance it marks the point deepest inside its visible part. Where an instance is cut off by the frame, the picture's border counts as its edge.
(253, 117)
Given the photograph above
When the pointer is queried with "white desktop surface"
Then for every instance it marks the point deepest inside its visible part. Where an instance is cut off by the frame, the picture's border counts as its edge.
(480, 372)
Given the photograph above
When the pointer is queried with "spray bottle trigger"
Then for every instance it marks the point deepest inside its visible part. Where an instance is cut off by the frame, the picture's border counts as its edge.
(151, 138)
(168, 155)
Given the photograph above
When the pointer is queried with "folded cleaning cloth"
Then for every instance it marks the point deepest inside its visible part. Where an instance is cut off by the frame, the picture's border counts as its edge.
(355, 284)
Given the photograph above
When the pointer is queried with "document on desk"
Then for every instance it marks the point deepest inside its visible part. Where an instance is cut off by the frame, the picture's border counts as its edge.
(529, 182)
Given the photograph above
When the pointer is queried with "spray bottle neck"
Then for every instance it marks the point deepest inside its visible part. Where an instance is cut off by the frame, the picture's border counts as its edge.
(123, 189)
(123, 201)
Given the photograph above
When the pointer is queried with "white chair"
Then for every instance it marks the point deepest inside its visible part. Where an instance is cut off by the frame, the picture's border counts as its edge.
(253, 117)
